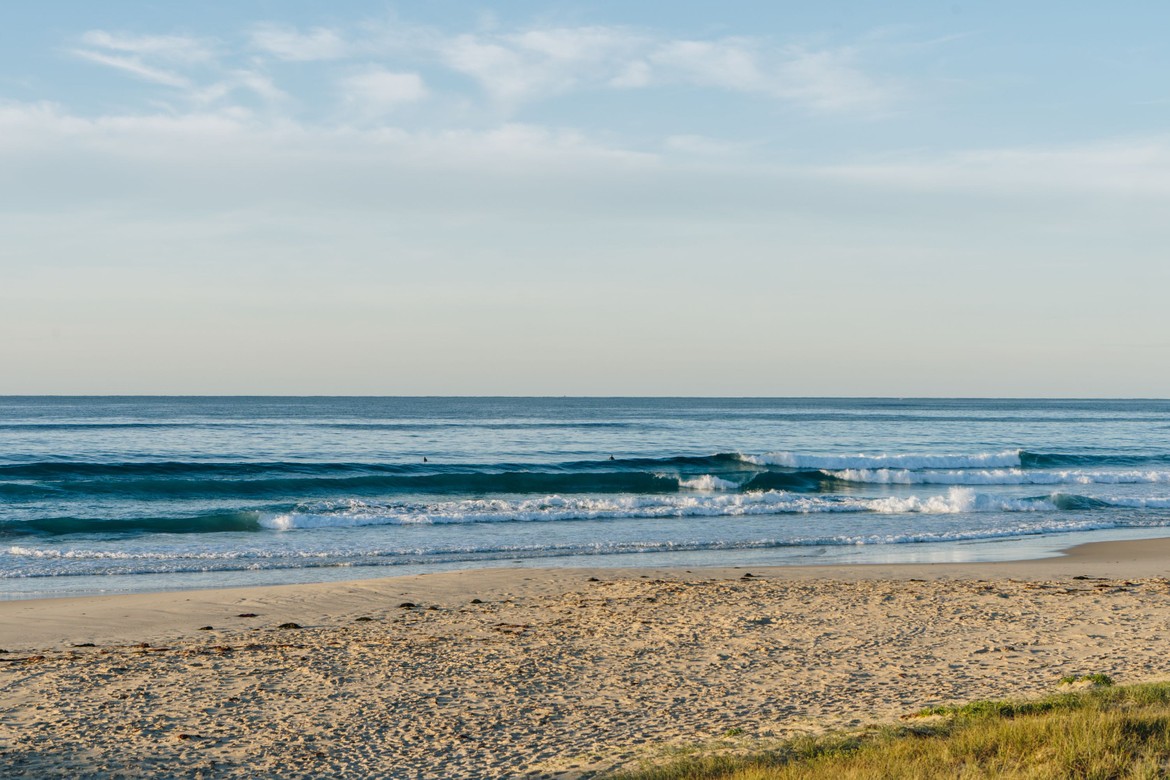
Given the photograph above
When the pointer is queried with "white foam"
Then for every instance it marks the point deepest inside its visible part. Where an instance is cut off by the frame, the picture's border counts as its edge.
(82, 553)
(708, 482)
(794, 460)
(557, 508)
(956, 500)
(998, 477)
(1039, 529)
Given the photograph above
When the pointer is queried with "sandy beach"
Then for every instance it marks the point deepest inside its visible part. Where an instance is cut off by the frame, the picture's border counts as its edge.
(564, 673)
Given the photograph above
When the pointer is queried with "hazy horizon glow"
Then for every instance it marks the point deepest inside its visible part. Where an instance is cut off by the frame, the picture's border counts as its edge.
(584, 199)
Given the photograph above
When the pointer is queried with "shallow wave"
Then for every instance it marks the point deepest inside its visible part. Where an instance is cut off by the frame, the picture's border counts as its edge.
(703, 502)
(22, 562)
(357, 512)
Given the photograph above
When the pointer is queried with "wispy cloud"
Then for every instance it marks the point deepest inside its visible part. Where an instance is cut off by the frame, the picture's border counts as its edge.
(517, 66)
(289, 44)
(171, 48)
(537, 63)
(158, 59)
(135, 67)
(193, 67)
(504, 69)
(827, 80)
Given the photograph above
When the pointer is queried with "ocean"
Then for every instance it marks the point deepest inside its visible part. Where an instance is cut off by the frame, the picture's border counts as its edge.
(120, 494)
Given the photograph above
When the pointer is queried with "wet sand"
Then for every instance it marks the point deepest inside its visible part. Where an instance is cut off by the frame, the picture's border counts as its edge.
(561, 672)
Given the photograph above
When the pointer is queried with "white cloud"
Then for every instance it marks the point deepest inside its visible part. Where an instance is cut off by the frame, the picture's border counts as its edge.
(378, 91)
(289, 44)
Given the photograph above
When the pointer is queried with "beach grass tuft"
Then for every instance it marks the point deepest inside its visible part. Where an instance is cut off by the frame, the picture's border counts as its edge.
(1088, 679)
(1104, 731)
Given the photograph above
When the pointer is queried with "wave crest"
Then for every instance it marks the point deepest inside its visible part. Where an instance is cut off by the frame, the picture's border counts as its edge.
(997, 477)
(795, 460)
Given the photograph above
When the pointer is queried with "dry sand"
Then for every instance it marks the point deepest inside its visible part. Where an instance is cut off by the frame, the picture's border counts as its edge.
(554, 672)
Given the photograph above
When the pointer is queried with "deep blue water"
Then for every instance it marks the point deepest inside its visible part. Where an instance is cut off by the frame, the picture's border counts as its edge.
(140, 493)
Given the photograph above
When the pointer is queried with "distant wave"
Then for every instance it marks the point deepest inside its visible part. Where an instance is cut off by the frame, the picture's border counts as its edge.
(175, 480)
(714, 463)
(54, 469)
(1050, 460)
(997, 477)
(795, 460)
(984, 460)
(791, 472)
(369, 426)
(471, 482)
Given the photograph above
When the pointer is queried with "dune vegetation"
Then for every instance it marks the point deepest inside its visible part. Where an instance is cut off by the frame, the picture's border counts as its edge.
(1091, 729)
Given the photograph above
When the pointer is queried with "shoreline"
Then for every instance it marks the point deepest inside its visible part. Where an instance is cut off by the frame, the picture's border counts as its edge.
(161, 615)
(960, 551)
(551, 672)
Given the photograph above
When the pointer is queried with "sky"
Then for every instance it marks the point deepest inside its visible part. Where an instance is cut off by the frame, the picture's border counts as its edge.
(590, 198)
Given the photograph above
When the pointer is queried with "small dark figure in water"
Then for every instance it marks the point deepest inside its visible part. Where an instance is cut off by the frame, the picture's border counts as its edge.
(424, 458)
(611, 457)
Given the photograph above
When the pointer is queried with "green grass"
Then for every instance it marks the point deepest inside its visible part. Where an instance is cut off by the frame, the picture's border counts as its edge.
(1093, 679)
(1098, 733)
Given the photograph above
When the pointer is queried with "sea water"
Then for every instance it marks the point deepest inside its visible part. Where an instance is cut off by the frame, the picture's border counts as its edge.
(122, 494)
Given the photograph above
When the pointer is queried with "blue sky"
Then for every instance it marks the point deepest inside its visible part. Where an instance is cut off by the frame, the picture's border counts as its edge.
(587, 198)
